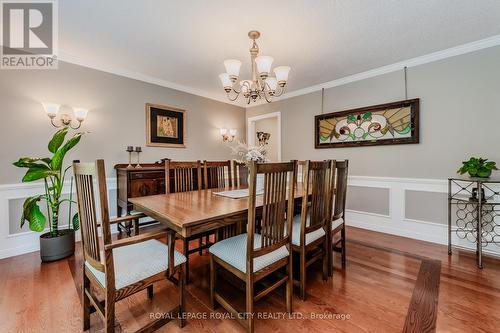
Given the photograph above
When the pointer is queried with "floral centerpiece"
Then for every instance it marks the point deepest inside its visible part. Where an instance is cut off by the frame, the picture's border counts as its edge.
(245, 154)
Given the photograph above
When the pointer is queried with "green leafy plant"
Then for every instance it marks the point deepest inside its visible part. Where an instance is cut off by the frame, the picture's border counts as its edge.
(50, 170)
(477, 167)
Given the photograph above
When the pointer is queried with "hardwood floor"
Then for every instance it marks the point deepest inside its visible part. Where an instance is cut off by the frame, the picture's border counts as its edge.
(390, 284)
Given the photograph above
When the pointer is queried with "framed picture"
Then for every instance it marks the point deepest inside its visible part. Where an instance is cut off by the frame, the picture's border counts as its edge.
(165, 126)
(384, 124)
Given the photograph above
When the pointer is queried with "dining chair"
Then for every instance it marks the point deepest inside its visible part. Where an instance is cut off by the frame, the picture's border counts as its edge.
(309, 240)
(217, 174)
(118, 269)
(337, 221)
(184, 176)
(240, 177)
(252, 256)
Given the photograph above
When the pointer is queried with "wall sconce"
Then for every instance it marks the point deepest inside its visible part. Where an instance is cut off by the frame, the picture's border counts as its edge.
(228, 134)
(52, 110)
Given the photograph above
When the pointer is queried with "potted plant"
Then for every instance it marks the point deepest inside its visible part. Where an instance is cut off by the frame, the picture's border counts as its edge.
(477, 167)
(55, 244)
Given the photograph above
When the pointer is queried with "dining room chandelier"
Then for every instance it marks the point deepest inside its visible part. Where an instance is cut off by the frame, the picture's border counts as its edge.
(262, 84)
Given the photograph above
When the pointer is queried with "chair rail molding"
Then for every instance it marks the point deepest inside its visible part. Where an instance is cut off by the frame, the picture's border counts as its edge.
(395, 222)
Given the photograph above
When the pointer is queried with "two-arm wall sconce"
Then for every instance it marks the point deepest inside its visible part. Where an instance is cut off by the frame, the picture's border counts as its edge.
(65, 120)
(228, 134)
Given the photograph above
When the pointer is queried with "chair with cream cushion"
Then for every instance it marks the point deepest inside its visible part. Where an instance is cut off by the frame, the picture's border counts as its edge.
(184, 176)
(309, 239)
(118, 269)
(251, 256)
(337, 221)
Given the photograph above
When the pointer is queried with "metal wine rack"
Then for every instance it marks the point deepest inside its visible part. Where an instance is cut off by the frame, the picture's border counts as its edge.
(471, 200)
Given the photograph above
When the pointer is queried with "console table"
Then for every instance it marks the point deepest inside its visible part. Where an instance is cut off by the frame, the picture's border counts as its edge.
(133, 182)
(477, 212)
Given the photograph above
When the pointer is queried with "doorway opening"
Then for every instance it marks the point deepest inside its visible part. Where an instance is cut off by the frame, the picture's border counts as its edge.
(266, 129)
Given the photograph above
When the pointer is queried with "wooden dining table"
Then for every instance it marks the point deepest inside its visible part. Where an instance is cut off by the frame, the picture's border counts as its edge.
(195, 212)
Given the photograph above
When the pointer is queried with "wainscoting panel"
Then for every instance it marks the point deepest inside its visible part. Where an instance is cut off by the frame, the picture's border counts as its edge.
(368, 199)
(426, 206)
(15, 240)
(416, 223)
(398, 206)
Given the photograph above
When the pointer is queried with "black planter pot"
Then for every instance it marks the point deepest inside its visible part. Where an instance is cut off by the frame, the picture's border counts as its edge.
(55, 248)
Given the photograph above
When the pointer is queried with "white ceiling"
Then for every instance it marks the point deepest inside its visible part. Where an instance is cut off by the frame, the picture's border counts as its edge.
(185, 42)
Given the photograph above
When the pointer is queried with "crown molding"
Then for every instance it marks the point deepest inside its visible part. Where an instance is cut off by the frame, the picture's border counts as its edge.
(69, 58)
(417, 61)
(428, 58)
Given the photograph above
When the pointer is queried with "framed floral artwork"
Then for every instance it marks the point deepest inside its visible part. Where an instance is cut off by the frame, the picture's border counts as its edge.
(165, 126)
(384, 124)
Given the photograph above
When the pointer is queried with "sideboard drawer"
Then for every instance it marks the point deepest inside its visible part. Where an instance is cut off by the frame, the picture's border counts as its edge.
(146, 175)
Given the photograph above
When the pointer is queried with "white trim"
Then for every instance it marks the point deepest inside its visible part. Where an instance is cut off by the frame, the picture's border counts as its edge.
(251, 128)
(431, 57)
(413, 62)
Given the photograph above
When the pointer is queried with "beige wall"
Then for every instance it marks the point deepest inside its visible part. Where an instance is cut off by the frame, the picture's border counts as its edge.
(459, 117)
(116, 118)
(269, 125)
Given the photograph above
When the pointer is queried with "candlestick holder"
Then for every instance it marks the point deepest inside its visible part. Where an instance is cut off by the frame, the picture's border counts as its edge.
(138, 150)
(130, 150)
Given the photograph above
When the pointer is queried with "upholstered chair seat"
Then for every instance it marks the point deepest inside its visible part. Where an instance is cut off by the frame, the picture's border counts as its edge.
(310, 237)
(234, 252)
(137, 262)
(336, 223)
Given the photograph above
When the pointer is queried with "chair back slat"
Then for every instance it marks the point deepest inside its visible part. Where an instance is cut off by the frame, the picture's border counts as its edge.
(186, 176)
(217, 174)
(85, 175)
(274, 206)
(341, 172)
(240, 177)
(317, 184)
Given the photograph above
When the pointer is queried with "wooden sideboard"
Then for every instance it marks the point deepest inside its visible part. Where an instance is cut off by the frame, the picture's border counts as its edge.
(134, 182)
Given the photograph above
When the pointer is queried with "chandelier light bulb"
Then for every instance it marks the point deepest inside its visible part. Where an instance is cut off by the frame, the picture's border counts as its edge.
(282, 74)
(264, 64)
(246, 86)
(232, 68)
(226, 81)
(272, 83)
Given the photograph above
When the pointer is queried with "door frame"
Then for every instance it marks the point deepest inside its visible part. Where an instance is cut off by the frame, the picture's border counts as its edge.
(251, 128)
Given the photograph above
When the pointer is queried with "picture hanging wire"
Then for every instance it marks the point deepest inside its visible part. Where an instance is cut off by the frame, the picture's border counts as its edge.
(406, 83)
(322, 99)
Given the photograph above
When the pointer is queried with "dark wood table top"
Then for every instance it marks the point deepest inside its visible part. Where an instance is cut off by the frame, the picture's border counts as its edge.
(195, 211)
